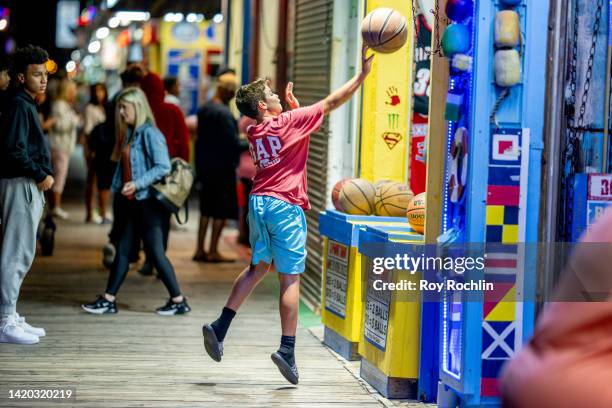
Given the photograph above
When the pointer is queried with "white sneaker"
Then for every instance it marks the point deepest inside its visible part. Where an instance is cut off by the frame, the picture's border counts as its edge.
(95, 219)
(37, 331)
(60, 213)
(11, 332)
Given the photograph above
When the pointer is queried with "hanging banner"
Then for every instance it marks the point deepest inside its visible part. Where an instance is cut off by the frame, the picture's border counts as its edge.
(386, 107)
(421, 89)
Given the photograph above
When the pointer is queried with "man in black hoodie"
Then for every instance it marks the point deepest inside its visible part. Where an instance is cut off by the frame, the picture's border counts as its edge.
(25, 173)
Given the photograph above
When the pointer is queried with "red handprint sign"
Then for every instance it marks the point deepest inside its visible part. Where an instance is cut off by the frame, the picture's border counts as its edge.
(393, 95)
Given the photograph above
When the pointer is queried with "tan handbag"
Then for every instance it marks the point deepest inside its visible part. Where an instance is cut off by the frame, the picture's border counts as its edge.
(173, 190)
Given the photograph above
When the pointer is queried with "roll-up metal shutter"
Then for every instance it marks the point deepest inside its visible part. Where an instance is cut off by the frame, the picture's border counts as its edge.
(311, 75)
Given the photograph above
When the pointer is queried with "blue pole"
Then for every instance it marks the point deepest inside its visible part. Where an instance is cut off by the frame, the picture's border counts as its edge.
(246, 39)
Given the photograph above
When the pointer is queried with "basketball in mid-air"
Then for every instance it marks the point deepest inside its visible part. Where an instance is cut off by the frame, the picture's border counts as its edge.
(384, 30)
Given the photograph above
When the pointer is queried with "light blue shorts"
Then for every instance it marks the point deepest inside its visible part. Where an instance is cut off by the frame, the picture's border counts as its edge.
(277, 233)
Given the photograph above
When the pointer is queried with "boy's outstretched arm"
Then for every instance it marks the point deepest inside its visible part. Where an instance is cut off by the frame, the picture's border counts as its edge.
(344, 93)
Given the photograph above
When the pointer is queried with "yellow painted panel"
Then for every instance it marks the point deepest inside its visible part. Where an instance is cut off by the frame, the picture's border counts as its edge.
(351, 326)
(510, 234)
(401, 355)
(384, 132)
(505, 311)
(495, 214)
(169, 42)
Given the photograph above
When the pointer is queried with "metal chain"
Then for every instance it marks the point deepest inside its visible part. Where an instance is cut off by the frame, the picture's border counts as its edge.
(437, 46)
(572, 162)
(574, 63)
(414, 20)
(589, 73)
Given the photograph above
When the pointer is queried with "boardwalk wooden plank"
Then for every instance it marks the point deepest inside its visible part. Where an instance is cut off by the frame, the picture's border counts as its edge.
(137, 358)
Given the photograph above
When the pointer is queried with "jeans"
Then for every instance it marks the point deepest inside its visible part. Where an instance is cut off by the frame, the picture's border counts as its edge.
(149, 218)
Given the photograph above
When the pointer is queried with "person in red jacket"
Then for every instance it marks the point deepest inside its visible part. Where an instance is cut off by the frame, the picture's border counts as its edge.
(171, 122)
(168, 117)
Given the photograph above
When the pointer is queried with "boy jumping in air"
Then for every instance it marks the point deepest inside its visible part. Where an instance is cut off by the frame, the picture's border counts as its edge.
(279, 146)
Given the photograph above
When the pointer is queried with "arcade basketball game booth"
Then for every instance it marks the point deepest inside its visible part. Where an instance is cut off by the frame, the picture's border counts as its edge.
(482, 182)
(383, 201)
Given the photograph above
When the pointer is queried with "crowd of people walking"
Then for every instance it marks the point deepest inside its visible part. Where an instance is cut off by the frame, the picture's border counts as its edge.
(130, 140)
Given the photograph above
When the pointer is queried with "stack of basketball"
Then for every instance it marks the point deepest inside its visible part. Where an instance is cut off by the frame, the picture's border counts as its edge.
(383, 198)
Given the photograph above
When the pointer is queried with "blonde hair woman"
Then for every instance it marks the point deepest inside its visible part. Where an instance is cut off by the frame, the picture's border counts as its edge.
(62, 136)
(143, 159)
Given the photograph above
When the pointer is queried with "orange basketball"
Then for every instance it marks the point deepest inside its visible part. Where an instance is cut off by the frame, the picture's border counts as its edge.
(384, 30)
(416, 213)
(392, 199)
(335, 194)
(357, 197)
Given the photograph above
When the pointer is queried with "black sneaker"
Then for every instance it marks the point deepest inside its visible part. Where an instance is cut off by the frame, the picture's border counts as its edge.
(213, 347)
(289, 372)
(171, 308)
(100, 306)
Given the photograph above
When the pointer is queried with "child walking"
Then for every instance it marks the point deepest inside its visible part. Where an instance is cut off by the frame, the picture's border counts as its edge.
(279, 146)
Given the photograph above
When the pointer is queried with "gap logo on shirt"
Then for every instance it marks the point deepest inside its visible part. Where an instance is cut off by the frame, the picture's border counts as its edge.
(264, 151)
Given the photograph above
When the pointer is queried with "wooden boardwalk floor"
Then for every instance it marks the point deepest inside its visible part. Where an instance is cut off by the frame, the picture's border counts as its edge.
(136, 358)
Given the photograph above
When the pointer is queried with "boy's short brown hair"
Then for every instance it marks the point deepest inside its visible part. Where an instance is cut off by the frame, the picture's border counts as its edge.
(249, 95)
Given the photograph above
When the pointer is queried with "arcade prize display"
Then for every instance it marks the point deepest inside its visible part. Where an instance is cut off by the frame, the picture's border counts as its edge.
(495, 126)
(398, 339)
(380, 198)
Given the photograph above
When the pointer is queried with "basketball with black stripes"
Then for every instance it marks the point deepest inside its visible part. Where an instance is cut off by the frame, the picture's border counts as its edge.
(357, 197)
(335, 195)
(384, 30)
(392, 199)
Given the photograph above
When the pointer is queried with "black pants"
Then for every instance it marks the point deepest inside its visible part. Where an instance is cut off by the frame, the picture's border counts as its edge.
(120, 218)
(166, 234)
(150, 219)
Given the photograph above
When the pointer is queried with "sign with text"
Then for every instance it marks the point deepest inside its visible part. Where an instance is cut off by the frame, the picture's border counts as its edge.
(599, 196)
(377, 309)
(336, 278)
(595, 209)
(600, 187)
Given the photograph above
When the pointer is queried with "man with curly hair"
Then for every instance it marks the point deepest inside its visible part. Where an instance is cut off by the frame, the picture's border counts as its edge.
(25, 173)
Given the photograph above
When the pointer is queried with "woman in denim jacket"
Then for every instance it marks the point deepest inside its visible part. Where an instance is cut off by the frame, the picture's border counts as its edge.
(143, 159)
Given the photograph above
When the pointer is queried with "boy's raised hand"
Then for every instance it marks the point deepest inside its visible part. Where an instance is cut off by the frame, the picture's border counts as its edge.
(366, 62)
(290, 97)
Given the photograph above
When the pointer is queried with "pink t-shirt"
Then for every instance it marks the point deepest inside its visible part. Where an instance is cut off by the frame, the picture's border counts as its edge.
(279, 147)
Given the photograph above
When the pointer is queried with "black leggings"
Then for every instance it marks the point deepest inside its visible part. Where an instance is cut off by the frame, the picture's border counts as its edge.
(149, 218)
